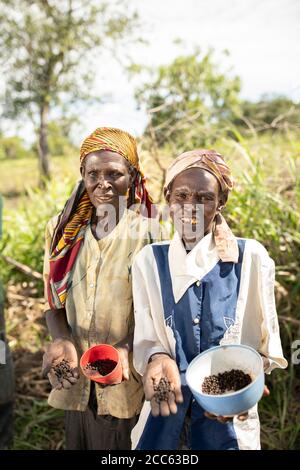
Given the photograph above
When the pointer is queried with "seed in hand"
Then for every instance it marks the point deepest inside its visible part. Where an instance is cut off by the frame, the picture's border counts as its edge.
(63, 371)
(162, 390)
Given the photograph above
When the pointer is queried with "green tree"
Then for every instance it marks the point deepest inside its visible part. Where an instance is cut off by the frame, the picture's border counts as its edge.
(45, 45)
(60, 142)
(270, 113)
(13, 148)
(188, 101)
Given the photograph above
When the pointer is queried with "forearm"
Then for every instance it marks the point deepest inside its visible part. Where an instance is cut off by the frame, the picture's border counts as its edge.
(57, 324)
(159, 355)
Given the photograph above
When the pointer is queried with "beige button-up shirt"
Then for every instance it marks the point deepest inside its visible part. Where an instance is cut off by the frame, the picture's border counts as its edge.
(99, 308)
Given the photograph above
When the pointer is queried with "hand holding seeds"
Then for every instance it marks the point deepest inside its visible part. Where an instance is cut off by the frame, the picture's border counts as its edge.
(241, 417)
(60, 363)
(162, 385)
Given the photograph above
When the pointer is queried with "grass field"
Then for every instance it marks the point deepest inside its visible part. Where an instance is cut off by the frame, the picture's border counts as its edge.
(20, 175)
(265, 205)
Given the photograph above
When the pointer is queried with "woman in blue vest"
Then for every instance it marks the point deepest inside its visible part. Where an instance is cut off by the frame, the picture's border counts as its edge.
(203, 288)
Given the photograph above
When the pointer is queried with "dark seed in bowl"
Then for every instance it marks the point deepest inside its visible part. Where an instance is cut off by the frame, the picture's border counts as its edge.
(225, 382)
(102, 366)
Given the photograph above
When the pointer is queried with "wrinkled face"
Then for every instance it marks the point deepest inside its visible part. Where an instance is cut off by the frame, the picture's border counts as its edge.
(106, 177)
(194, 199)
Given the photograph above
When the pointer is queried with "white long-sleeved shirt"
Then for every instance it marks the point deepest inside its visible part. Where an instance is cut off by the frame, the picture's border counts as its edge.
(255, 324)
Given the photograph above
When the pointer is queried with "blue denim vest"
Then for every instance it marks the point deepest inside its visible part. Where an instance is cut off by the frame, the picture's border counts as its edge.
(199, 321)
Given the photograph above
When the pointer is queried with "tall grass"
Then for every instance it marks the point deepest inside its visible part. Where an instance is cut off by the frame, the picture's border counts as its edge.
(24, 227)
(264, 206)
(38, 428)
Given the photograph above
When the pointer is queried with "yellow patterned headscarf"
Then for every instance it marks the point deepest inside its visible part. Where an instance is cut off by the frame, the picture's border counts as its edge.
(76, 215)
(114, 140)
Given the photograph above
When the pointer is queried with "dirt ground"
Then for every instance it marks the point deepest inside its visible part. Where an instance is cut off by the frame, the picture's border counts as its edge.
(36, 425)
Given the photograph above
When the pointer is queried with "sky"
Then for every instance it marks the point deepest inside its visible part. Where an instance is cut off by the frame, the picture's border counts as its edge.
(262, 37)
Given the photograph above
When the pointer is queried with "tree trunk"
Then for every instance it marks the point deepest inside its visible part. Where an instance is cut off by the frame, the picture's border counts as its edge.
(43, 144)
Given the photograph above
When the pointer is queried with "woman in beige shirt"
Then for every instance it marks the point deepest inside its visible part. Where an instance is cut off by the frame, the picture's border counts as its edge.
(89, 251)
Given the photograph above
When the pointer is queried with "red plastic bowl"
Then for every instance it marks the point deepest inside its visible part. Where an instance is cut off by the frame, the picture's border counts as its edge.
(102, 351)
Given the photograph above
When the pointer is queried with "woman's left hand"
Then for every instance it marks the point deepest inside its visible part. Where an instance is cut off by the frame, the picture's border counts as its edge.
(241, 417)
(123, 353)
(124, 347)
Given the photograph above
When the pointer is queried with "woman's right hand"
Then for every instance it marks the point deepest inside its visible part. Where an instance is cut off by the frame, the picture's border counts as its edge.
(57, 351)
(160, 367)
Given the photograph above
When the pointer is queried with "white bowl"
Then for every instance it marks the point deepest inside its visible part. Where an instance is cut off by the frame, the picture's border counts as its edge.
(221, 359)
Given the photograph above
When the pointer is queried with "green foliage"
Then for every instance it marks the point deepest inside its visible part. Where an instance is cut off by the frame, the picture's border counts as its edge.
(188, 101)
(264, 205)
(12, 148)
(24, 228)
(38, 427)
(59, 139)
(47, 51)
(280, 411)
(43, 44)
(270, 113)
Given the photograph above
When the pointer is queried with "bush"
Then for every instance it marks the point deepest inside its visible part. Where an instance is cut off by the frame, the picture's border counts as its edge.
(24, 228)
(12, 148)
(264, 206)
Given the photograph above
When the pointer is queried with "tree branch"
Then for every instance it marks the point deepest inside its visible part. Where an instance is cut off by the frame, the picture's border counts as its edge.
(23, 268)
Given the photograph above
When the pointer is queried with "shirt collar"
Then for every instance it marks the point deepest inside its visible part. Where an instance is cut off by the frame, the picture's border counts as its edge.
(187, 268)
(116, 233)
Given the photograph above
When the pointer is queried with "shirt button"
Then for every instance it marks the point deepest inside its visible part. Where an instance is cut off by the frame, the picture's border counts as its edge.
(91, 285)
(198, 283)
(196, 321)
